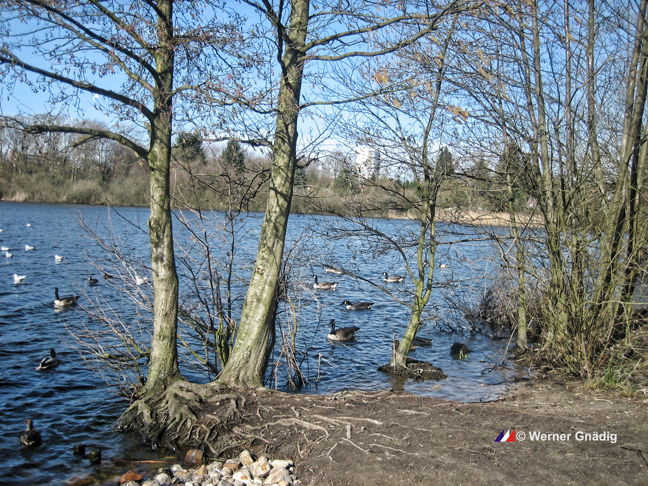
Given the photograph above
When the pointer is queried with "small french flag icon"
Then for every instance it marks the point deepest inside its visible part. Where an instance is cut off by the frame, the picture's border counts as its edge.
(506, 437)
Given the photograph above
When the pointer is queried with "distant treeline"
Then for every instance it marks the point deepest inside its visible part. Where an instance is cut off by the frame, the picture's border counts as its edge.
(54, 168)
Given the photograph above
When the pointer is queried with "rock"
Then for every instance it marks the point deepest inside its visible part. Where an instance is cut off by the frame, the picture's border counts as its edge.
(215, 466)
(163, 479)
(260, 469)
(80, 481)
(282, 463)
(78, 449)
(193, 458)
(95, 456)
(202, 470)
(226, 472)
(151, 482)
(131, 483)
(246, 458)
(131, 475)
(276, 475)
(243, 474)
(283, 483)
(225, 482)
(232, 464)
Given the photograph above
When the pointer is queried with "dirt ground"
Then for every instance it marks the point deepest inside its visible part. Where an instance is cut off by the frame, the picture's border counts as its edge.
(385, 438)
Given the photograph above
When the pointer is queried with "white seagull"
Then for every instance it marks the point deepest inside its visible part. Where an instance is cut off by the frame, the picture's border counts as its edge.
(8, 255)
(28, 248)
(5, 248)
(139, 280)
(19, 278)
(58, 258)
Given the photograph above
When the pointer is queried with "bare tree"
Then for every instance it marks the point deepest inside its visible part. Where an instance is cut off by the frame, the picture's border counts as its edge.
(140, 62)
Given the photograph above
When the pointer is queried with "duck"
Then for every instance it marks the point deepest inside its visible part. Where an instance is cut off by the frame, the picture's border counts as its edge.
(324, 285)
(49, 363)
(139, 280)
(334, 270)
(8, 255)
(92, 280)
(58, 258)
(5, 248)
(393, 278)
(106, 276)
(19, 278)
(28, 248)
(65, 301)
(343, 334)
(30, 437)
(357, 305)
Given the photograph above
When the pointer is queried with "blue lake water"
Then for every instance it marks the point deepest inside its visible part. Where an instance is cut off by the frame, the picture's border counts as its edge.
(73, 404)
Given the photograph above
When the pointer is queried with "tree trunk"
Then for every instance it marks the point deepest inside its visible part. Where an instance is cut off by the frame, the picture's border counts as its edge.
(164, 354)
(247, 363)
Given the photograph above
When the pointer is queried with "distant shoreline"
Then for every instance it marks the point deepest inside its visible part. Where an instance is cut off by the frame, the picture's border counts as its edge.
(443, 215)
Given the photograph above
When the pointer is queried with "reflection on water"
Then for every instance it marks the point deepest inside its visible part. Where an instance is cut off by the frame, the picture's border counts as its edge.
(71, 404)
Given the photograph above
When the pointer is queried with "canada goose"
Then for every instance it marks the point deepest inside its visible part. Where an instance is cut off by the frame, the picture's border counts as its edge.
(139, 280)
(65, 301)
(28, 248)
(58, 258)
(357, 305)
(5, 248)
(443, 266)
(49, 363)
(92, 280)
(30, 437)
(8, 255)
(393, 278)
(342, 334)
(19, 278)
(334, 270)
(324, 285)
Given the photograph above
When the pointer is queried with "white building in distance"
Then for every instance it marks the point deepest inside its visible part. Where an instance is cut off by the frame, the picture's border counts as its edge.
(367, 162)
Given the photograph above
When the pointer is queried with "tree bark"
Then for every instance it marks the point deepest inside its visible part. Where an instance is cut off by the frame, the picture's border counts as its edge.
(164, 354)
(248, 360)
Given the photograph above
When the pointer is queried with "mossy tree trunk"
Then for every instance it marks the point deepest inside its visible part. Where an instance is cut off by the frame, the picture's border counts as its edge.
(164, 353)
(248, 360)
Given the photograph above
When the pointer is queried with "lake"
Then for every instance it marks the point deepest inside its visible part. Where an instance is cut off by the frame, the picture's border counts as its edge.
(74, 404)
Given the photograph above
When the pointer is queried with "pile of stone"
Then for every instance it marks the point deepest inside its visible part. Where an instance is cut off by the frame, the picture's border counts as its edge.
(243, 470)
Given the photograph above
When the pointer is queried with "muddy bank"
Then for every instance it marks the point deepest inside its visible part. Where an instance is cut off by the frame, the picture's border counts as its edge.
(385, 438)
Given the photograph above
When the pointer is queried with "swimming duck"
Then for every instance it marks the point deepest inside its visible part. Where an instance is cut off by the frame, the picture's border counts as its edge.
(324, 285)
(49, 363)
(139, 280)
(8, 255)
(106, 276)
(334, 270)
(393, 278)
(65, 301)
(357, 305)
(92, 280)
(30, 437)
(28, 248)
(342, 334)
(58, 258)
(19, 278)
